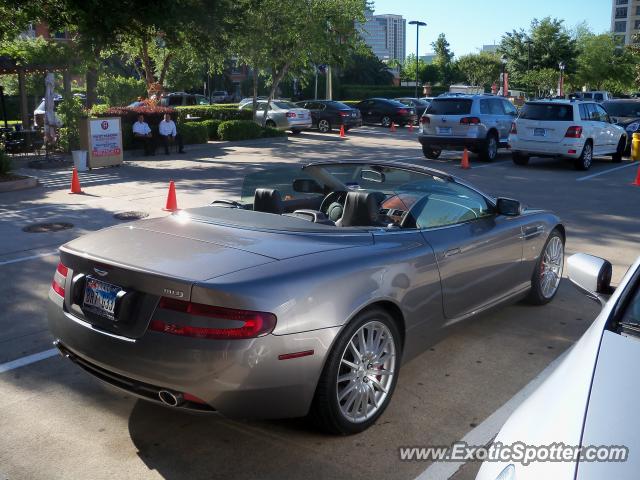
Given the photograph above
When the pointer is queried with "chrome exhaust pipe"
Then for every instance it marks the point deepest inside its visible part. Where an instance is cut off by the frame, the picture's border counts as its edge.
(170, 399)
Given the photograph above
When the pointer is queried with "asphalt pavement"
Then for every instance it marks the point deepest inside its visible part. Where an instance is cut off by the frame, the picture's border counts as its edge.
(58, 422)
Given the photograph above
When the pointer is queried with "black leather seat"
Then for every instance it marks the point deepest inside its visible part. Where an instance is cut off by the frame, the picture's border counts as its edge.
(360, 209)
(268, 200)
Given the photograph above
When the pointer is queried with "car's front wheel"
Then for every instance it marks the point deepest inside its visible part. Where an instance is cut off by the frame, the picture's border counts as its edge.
(359, 375)
(548, 270)
(431, 153)
(385, 121)
(622, 145)
(296, 131)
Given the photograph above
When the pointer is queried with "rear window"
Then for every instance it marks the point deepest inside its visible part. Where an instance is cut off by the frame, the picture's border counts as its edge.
(454, 106)
(338, 105)
(285, 105)
(548, 112)
(623, 109)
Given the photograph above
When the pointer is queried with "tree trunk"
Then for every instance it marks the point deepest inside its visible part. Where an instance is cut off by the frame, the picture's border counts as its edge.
(92, 85)
(277, 78)
(148, 67)
(165, 67)
(24, 109)
(66, 81)
(254, 74)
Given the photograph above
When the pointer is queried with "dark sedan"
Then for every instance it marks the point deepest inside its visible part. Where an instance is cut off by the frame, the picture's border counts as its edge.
(626, 113)
(420, 104)
(385, 112)
(329, 114)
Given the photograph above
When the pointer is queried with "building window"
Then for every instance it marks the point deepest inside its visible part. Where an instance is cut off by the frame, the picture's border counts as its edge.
(638, 10)
(622, 2)
(636, 25)
(621, 12)
(620, 27)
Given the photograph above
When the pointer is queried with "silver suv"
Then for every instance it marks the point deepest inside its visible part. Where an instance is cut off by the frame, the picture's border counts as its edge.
(479, 122)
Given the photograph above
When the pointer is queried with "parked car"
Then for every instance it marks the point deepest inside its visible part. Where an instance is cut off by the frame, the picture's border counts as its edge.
(566, 128)
(303, 298)
(584, 401)
(283, 115)
(625, 113)
(220, 96)
(246, 100)
(419, 104)
(455, 121)
(178, 99)
(386, 112)
(595, 95)
(201, 100)
(329, 114)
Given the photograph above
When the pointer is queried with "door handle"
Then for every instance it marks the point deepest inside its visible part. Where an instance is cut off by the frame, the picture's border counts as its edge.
(453, 251)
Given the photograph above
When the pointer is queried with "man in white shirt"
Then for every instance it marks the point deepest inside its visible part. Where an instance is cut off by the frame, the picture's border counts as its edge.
(169, 134)
(142, 134)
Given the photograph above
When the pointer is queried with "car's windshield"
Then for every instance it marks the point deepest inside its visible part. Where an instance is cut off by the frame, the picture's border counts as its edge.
(450, 106)
(547, 112)
(338, 105)
(623, 109)
(403, 197)
(285, 105)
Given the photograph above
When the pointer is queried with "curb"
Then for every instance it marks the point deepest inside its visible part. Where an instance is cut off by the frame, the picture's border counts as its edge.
(19, 184)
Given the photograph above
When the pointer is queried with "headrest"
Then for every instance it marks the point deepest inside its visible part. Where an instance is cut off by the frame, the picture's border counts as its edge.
(360, 209)
(267, 200)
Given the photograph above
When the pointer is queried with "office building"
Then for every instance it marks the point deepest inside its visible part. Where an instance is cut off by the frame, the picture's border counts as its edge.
(386, 35)
(625, 20)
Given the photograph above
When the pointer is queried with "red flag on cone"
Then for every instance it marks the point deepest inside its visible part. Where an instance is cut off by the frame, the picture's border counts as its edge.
(75, 182)
(393, 126)
(465, 159)
(342, 134)
(172, 202)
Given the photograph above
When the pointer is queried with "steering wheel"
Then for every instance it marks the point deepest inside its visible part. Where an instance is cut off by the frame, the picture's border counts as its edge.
(333, 204)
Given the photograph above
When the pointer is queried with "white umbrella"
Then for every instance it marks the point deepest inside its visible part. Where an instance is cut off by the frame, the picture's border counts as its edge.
(50, 120)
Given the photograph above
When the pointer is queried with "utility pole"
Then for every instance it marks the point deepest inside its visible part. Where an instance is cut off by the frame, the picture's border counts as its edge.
(418, 24)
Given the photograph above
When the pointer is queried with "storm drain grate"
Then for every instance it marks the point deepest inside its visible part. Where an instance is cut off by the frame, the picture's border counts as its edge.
(47, 227)
(131, 215)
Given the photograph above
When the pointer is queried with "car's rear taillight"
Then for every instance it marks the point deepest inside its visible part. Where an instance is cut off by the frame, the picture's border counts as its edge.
(425, 120)
(469, 121)
(254, 324)
(291, 114)
(574, 131)
(344, 114)
(514, 129)
(57, 284)
(403, 111)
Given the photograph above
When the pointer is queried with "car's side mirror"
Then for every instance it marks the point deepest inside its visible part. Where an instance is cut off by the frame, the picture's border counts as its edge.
(509, 207)
(590, 274)
(307, 185)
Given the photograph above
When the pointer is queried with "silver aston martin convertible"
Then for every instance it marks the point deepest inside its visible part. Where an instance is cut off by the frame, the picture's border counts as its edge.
(304, 297)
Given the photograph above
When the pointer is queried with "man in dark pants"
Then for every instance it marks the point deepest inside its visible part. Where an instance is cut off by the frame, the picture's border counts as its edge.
(142, 134)
(169, 134)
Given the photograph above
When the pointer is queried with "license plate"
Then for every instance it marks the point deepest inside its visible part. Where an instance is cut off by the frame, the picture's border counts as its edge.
(539, 132)
(100, 297)
(444, 130)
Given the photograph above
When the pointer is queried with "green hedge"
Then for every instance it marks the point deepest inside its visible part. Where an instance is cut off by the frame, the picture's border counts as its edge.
(194, 132)
(214, 112)
(212, 128)
(268, 132)
(239, 130)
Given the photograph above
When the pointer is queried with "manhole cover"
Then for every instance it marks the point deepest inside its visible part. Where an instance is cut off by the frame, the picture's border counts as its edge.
(131, 215)
(47, 227)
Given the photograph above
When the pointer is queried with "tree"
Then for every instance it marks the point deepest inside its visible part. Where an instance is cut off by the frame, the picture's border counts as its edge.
(546, 44)
(601, 60)
(427, 72)
(480, 69)
(543, 80)
(362, 67)
(444, 58)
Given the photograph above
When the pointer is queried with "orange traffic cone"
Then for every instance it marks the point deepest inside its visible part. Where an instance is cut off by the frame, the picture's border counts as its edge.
(342, 134)
(393, 126)
(75, 182)
(637, 181)
(172, 202)
(465, 159)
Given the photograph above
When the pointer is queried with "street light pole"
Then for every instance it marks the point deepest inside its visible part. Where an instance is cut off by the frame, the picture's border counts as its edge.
(418, 25)
(561, 66)
(505, 90)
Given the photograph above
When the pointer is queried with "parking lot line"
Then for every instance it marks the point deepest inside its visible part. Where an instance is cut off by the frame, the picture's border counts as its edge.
(487, 430)
(587, 177)
(24, 259)
(29, 359)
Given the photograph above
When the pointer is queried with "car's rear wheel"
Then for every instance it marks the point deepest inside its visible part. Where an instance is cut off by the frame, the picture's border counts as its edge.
(360, 374)
(271, 123)
(583, 162)
(548, 271)
(385, 121)
(431, 153)
(296, 131)
(324, 126)
(520, 158)
(622, 144)
(489, 151)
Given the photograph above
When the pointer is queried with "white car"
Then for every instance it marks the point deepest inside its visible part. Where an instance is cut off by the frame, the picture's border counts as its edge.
(590, 399)
(565, 128)
(282, 114)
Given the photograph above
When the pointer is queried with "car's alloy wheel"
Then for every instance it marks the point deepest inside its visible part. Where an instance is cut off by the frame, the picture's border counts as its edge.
(359, 375)
(431, 153)
(366, 373)
(548, 272)
(386, 121)
(490, 151)
(586, 158)
(324, 126)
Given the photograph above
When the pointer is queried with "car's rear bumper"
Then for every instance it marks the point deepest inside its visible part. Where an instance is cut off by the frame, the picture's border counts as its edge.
(299, 125)
(450, 143)
(568, 147)
(237, 378)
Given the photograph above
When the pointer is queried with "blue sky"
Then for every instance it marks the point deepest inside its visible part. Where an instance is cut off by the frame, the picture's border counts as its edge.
(469, 24)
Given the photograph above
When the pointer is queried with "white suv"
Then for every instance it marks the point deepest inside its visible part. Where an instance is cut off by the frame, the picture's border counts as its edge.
(560, 128)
